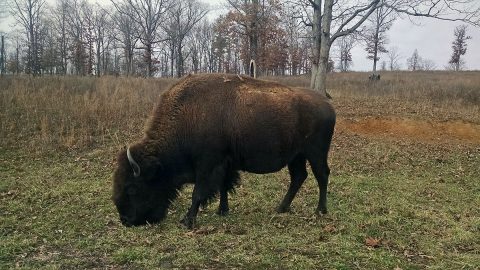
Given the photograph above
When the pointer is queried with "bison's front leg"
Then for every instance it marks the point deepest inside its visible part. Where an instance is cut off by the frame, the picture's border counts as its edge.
(190, 217)
(206, 186)
(223, 206)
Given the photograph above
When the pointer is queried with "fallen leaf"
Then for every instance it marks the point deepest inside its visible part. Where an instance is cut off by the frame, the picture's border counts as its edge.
(373, 242)
(329, 228)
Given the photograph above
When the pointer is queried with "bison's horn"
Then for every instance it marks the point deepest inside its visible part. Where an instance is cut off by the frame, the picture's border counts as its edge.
(133, 163)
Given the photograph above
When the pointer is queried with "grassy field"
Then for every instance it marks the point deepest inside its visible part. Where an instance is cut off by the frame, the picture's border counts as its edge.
(404, 192)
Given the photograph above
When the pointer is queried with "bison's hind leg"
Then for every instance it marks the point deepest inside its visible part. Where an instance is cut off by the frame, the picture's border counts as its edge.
(321, 171)
(298, 174)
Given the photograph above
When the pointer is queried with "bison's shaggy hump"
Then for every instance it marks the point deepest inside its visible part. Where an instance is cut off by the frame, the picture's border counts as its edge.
(207, 127)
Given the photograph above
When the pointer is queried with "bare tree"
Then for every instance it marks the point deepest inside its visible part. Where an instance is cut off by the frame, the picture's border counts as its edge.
(383, 66)
(28, 13)
(296, 34)
(47, 48)
(428, 64)
(181, 19)
(345, 45)
(59, 26)
(200, 45)
(14, 65)
(77, 28)
(459, 46)
(375, 33)
(393, 58)
(101, 26)
(148, 15)
(414, 63)
(88, 16)
(126, 32)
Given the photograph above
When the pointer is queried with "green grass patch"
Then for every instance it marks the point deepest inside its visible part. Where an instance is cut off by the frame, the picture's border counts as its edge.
(56, 212)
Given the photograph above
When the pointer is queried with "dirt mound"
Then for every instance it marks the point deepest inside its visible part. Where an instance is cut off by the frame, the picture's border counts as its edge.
(405, 128)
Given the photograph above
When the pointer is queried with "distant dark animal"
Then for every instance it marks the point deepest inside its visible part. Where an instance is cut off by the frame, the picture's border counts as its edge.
(374, 77)
(208, 127)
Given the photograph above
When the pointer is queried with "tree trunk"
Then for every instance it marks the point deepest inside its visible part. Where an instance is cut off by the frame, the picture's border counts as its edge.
(179, 59)
(99, 64)
(148, 60)
(64, 41)
(317, 23)
(32, 56)
(253, 36)
(319, 73)
(375, 48)
(172, 57)
(2, 57)
(17, 58)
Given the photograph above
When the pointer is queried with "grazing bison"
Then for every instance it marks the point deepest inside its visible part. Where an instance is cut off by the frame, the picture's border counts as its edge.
(208, 127)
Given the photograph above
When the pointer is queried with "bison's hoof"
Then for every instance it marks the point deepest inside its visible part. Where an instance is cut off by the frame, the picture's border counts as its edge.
(283, 209)
(222, 212)
(321, 211)
(188, 222)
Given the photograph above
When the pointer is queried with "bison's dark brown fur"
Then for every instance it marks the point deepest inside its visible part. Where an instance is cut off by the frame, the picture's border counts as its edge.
(208, 127)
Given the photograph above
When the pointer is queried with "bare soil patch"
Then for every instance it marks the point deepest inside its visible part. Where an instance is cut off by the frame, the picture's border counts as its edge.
(413, 129)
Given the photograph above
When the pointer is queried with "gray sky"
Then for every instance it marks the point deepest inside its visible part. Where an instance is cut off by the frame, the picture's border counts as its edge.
(432, 38)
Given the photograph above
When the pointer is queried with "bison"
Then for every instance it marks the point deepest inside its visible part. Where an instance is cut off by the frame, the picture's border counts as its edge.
(206, 128)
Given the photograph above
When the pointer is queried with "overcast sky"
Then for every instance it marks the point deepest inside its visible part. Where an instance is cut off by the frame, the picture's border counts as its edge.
(432, 38)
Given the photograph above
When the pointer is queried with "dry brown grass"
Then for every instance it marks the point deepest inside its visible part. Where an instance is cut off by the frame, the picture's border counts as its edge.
(437, 86)
(78, 112)
(438, 95)
(73, 112)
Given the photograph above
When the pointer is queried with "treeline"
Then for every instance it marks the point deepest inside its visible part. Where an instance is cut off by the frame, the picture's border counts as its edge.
(170, 38)
(153, 38)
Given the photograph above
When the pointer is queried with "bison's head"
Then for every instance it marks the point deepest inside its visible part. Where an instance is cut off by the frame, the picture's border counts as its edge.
(139, 193)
